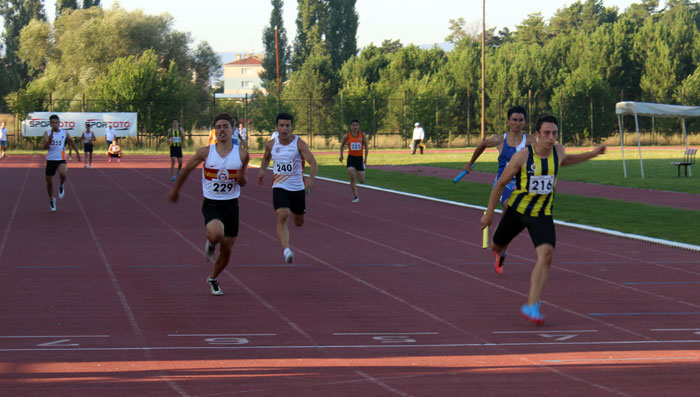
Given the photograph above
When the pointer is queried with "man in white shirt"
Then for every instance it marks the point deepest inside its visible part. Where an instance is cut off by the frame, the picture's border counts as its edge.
(110, 134)
(242, 135)
(3, 139)
(418, 136)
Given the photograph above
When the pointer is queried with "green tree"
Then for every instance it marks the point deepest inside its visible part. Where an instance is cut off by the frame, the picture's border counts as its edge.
(532, 30)
(311, 90)
(310, 16)
(269, 63)
(16, 15)
(586, 17)
(139, 84)
(340, 30)
(65, 6)
(91, 3)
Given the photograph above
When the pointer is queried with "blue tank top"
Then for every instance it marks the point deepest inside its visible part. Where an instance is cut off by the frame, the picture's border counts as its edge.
(507, 153)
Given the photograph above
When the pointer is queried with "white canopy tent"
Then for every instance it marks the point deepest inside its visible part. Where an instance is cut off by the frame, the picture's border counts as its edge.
(653, 110)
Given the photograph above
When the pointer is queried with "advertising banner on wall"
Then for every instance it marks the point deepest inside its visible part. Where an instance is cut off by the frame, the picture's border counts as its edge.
(74, 123)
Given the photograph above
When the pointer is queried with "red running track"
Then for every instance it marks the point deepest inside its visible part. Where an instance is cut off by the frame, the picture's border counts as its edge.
(390, 296)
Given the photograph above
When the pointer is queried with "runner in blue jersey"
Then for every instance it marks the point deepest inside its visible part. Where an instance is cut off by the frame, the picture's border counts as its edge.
(507, 144)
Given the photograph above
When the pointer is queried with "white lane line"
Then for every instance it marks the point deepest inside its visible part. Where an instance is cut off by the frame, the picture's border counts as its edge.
(674, 329)
(544, 331)
(206, 335)
(384, 333)
(369, 347)
(51, 336)
(250, 291)
(8, 225)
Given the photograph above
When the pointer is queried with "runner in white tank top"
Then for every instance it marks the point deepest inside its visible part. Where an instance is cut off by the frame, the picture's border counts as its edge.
(286, 166)
(55, 141)
(288, 151)
(88, 139)
(219, 175)
(223, 175)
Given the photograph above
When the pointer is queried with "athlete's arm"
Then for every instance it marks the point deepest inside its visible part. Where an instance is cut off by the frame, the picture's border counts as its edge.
(342, 146)
(47, 139)
(309, 158)
(267, 156)
(366, 142)
(488, 142)
(199, 157)
(516, 163)
(242, 177)
(571, 159)
(72, 144)
(169, 136)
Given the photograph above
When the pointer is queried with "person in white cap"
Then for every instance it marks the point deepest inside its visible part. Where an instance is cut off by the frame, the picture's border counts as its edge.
(418, 136)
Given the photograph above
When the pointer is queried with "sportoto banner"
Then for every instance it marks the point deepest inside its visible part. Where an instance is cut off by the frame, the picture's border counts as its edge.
(74, 123)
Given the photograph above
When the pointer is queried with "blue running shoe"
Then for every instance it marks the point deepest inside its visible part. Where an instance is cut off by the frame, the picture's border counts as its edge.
(532, 313)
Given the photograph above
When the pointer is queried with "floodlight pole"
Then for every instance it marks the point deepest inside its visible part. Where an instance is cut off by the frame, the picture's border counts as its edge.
(483, 70)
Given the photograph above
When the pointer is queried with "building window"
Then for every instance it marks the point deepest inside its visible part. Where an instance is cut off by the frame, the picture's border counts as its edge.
(246, 84)
(245, 71)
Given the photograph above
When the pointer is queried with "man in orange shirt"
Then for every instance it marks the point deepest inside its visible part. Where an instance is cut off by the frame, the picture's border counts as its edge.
(357, 144)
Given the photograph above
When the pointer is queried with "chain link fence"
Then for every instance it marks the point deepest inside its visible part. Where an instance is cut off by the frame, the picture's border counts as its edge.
(449, 122)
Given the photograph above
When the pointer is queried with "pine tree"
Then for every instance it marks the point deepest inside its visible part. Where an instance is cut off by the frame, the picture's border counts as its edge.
(269, 63)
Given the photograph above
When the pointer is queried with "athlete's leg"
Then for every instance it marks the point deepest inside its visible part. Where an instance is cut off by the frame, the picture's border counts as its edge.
(298, 220)
(361, 176)
(282, 228)
(49, 185)
(540, 273)
(352, 173)
(172, 166)
(62, 173)
(179, 165)
(224, 256)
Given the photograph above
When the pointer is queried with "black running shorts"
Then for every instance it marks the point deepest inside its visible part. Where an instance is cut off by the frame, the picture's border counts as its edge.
(294, 200)
(224, 210)
(87, 147)
(355, 162)
(541, 228)
(176, 151)
(52, 166)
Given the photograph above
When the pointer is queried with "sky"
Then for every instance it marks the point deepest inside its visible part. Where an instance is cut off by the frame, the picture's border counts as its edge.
(237, 25)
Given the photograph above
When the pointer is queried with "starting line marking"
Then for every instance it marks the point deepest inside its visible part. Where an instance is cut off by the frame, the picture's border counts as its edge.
(384, 333)
(380, 346)
(539, 332)
(214, 335)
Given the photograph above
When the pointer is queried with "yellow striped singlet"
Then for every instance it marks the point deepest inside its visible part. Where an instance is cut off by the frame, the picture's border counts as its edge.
(176, 137)
(534, 185)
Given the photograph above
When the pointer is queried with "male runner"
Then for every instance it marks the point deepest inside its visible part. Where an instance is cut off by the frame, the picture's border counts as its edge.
(287, 152)
(507, 144)
(223, 174)
(355, 163)
(55, 141)
(175, 134)
(530, 205)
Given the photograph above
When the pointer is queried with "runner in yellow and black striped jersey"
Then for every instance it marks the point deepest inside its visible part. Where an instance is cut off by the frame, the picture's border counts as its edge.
(530, 206)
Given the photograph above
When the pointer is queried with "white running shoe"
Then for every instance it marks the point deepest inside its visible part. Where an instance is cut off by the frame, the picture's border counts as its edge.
(214, 287)
(52, 204)
(288, 255)
(356, 200)
(61, 192)
(209, 250)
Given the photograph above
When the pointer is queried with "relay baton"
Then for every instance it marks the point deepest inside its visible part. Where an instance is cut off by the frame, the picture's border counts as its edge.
(461, 175)
(485, 238)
